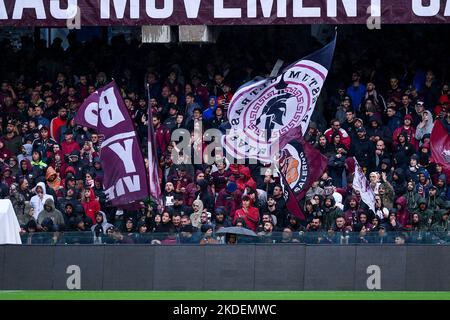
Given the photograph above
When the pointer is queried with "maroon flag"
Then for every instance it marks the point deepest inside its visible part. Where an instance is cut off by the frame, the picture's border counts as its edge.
(153, 172)
(440, 146)
(299, 165)
(120, 155)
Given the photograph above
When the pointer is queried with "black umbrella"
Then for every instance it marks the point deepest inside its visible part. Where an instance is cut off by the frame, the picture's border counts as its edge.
(237, 231)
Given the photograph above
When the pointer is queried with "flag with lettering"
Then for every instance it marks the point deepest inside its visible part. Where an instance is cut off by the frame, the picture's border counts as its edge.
(125, 178)
(299, 165)
(262, 112)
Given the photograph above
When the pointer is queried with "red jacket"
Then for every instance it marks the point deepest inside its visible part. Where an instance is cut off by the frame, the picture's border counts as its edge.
(345, 138)
(55, 128)
(69, 147)
(411, 133)
(162, 137)
(91, 207)
(251, 217)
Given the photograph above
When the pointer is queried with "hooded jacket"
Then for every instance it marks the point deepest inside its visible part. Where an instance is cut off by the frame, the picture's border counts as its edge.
(410, 133)
(53, 214)
(420, 132)
(381, 131)
(55, 184)
(38, 203)
(251, 217)
(105, 225)
(402, 212)
(399, 185)
(412, 199)
(92, 206)
(329, 214)
(426, 215)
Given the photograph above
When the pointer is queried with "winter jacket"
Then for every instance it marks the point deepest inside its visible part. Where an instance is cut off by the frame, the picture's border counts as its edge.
(105, 225)
(53, 214)
(91, 207)
(329, 214)
(38, 203)
(251, 217)
(402, 212)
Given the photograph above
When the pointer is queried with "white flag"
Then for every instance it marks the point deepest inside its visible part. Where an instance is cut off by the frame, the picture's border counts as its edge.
(361, 184)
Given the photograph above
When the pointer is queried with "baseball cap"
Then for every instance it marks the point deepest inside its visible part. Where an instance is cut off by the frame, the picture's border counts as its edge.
(362, 129)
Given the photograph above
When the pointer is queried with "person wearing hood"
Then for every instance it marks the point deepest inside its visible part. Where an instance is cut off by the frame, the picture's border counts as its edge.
(376, 131)
(101, 224)
(441, 185)
(90, 204)
(97, 169)
(425, 126)
(403, 215)
(52, 179)
(386, 191)
(51, 212)
(403, 150)
(352, 213)
(426, 215)
(441, 224)
(6, 176)
(197, 207)
(330, 212)
(312, 134)
(38, 201)
(399, 182)
(409, 132)
(25, 170)
(434, 201)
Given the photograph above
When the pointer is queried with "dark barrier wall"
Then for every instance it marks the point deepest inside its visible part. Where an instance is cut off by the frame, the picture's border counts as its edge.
(243, 267)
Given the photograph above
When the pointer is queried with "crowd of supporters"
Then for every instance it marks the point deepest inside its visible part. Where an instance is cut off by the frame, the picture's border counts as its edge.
(51, 168)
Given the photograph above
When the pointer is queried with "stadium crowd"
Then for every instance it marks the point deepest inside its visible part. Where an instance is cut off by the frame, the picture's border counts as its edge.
(51, 168)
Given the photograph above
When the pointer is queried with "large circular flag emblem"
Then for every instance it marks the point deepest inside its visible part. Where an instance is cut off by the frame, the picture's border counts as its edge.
(264, 111)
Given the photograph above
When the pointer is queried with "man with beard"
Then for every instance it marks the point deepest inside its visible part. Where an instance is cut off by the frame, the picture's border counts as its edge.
(330, 212)
(12, 139)
(57, 123)
(363, 149)
(52, 213)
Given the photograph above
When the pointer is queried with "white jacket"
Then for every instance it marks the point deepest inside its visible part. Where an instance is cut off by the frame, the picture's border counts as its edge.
(37, 203)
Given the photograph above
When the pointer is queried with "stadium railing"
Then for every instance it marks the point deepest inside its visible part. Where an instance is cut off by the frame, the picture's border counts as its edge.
(334, 238)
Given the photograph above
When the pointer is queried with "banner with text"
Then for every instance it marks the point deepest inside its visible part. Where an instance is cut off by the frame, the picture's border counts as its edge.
(262, 112)
(121, 157)
(220, 12)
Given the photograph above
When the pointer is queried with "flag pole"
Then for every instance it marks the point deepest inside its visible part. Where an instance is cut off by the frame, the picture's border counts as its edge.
(153, 174)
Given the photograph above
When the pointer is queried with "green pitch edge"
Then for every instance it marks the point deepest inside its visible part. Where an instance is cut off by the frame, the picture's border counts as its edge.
(221, 295)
